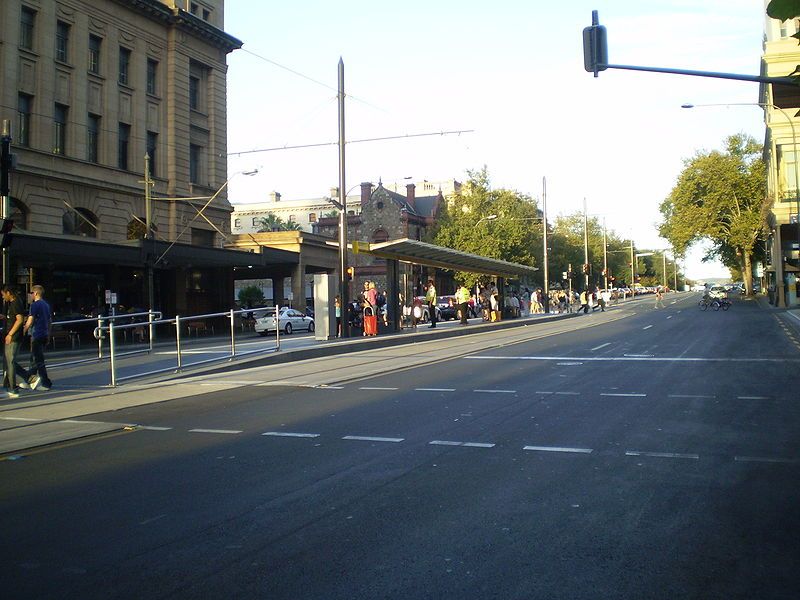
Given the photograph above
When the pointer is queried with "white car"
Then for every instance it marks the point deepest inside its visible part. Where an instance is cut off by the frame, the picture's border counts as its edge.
(289, 320)
(718, 291)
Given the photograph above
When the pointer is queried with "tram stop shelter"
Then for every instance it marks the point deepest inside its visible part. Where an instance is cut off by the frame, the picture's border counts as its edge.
(430, 255)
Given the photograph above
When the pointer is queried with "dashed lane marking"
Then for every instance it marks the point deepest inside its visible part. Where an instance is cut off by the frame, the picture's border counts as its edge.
(559, 449)
(434, 389)
(765, 459)
(495, 391)
(752, 397)
(153, 428)
(647, 327)
(289, 434)
(689, 396)
(386, 389)
(362, 438)
(601, 346)
(662, 454)
(221, 431)
(620, 395)
(462, 444)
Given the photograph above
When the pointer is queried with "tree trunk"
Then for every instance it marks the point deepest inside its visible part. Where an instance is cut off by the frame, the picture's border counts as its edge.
(748, 273)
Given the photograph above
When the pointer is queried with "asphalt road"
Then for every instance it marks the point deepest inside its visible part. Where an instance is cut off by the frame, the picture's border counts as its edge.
(639, 453)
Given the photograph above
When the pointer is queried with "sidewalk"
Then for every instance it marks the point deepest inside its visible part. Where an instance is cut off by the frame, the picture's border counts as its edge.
(41, 419)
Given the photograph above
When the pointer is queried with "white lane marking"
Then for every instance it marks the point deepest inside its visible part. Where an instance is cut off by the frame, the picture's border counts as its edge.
(648, 358)
(765, 459)
(232, 382)
(496, 391)
(292, 435)
(624, 395)
(601, 346)
(752, 398)
(689, 396)
(434, 389)
(661, 454)
(19, 419)
(669, 317)
(544, 393)
(361, 438)
(559, 449)
(148, 521)
(568, 393)
(83, 422)
(153, 428)
(224, 431)
(638, 355)
(379, 388)
(323, 386)
(282, 384)
(568, 364)
(462, 444)
(647, 327)
(789, 312)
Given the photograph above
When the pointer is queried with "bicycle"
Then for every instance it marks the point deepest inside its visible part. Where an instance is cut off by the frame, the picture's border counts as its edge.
(704, 304)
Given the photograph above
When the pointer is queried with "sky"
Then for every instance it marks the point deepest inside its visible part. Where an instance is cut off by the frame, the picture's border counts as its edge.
(512, 73)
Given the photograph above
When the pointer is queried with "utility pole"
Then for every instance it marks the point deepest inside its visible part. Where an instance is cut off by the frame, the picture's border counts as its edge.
(605, 257)
(633, 270)
(585, 248)
(148, 235)
(664, 257)
(675, 264)
(344, 295)
(5, 208)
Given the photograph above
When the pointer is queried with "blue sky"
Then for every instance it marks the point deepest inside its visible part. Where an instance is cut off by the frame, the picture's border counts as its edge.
(510, 70)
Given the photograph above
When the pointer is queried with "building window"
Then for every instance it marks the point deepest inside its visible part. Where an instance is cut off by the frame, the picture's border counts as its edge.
(256, 221)
(60, 129)
(237, 223)
(198, 77)
(206, 14)
(80, 222)
(124, 65)
(27, 19)
(380, 236)
(123, 142)
(24, 110)
(788, 164)
(194, 8)
(312, 217)
(195, 163)
(152, 145)
(94, 54)
(62, 41)
(202, 237)
(92, 138)
(152, 73)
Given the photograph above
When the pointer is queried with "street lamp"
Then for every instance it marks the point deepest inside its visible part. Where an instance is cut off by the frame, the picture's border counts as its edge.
(780, 300)
(486, 218)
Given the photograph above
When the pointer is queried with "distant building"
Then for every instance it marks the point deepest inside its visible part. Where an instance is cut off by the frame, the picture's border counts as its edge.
(247, 218)
(448, 187)
(781, 57)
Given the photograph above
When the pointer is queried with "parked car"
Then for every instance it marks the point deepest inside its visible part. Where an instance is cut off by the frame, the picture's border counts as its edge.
(289, 320)
(718, 291)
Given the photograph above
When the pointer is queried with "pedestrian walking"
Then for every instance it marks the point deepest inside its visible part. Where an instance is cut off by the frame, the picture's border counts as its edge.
(14, 312)
(430, 298)
(659, 298)
(584, 302)
(338, 308)
(462, 298)
(38, 326)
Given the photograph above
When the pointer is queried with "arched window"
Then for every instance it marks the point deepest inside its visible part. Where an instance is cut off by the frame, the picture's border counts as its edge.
(380, 235)
(19, 214)
(79, 221)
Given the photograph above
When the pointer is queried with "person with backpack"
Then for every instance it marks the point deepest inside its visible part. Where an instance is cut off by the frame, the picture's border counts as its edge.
(38, 325)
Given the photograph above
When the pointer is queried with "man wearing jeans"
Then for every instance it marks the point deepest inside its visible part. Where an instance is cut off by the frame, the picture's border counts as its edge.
(38, 324)
(13, 337)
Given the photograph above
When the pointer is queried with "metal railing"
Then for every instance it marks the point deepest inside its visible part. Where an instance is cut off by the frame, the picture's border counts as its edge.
(109, 328)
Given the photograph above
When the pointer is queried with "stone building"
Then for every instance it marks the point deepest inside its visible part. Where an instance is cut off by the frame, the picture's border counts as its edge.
(386, 215)
(780, 104)
(90, 88)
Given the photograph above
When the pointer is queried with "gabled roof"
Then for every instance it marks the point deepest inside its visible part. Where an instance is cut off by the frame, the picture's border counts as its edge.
(424, 206)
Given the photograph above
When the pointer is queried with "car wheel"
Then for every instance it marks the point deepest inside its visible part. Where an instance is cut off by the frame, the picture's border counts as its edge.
(287, 329)
(310, 326)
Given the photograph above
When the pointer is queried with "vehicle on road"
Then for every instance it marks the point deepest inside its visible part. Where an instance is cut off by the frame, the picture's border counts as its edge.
(289, 320)
(718, 291)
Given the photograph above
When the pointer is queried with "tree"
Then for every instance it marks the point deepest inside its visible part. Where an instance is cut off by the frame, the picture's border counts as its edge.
(292, 226)
(721, 196)
(251, 296)
(271, 222)
(497, 223)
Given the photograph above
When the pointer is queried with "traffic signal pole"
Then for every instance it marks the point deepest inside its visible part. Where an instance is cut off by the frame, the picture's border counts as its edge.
(5, 206)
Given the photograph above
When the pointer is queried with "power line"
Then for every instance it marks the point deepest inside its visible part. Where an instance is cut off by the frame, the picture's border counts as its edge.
(377, 139)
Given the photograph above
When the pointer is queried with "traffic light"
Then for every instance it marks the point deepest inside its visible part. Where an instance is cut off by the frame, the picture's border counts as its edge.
(6, 225)
(595, 46)
(351, 271)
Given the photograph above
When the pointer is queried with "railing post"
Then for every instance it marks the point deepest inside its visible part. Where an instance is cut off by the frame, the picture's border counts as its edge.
(151, 333)
(178, 339)
(277, 328)
(112, 350)
(100, 340)
(233, 336)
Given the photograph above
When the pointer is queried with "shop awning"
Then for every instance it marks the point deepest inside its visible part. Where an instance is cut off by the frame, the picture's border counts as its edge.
(422, 253)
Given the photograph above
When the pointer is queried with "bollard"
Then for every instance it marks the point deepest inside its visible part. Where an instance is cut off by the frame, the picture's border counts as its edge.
(178, 340)
(112, 347)
(233, 336)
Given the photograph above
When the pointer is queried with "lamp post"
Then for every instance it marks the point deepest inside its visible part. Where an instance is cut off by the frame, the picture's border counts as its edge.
(780, 299)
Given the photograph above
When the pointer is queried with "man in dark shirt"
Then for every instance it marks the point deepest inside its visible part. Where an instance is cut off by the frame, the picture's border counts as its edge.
(13, 337)
(38, 325)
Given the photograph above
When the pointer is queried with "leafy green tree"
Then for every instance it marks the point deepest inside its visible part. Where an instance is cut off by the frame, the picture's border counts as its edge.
(496, 223)
(292, 226)
(251, 296)
(720, 196)
(271, 222)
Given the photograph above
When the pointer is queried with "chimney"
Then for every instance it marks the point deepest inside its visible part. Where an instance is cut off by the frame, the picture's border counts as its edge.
(411, 195)
(274, 197)
(366, 192)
